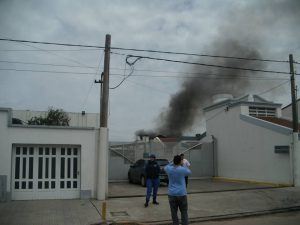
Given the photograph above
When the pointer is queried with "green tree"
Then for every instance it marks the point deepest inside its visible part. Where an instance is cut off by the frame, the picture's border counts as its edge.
(54, 117)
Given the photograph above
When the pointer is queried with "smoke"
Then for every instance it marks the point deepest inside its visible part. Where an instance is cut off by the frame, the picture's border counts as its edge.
(242, 33)
(196, 93)
(141, 133)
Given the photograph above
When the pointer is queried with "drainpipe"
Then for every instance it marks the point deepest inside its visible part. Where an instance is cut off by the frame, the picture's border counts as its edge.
(215, 167)
(296, 162)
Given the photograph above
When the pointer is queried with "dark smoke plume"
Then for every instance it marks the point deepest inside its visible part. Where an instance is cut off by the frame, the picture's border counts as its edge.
(242, 33)
(195, 93)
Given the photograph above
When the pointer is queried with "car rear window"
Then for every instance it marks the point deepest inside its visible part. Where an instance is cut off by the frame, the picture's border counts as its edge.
(162, 162)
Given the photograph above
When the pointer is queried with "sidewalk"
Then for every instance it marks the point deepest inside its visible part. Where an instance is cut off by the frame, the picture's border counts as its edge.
(206, 206)
(202, 207)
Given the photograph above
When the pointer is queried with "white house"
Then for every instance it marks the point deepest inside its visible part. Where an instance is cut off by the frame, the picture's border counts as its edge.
(252, 141)
(46, 162)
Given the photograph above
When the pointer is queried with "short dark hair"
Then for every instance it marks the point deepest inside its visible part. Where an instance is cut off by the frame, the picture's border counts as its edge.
(181, 154)
(177, 159)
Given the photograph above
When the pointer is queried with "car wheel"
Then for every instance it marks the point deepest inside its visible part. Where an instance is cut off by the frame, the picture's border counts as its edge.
(143, 181)
(130, 178)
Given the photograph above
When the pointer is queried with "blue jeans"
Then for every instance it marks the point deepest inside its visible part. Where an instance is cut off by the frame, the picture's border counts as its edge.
(181, 203)
(152, 184)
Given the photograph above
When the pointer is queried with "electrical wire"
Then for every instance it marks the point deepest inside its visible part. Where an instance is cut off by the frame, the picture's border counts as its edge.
(51, 53)
(47, 71)
(149, 87)
(144, 50)
(201, 55)
(51, 50)
(45, 64)
(204, 64)
(50, 43)
(199, 76)
(93, 67)
(131, 64)
(271, 89)
(206, 76)
(125, 77)
(93, 83)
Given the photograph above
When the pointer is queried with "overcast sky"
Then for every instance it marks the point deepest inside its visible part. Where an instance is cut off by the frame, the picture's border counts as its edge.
(266, 29)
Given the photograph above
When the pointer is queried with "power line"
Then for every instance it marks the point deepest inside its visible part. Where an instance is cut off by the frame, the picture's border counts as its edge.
(147, 86)
(271, 89)
(45, 64)
(205, 64)
(125, 77)
(200, 76)
(94, 67)
(208, 76)
(131, 72)
(47, 71)
(51, 50)
(199, 55)
(93, 83)
(145, 50)
(51, 43)
(52, 53)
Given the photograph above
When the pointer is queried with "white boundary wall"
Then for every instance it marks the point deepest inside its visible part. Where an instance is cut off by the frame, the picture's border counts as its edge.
(76, 119)
(86, 138)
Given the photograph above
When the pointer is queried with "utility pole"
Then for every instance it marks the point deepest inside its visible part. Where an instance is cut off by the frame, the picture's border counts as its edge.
(296, 147)
(105, 88)
(102, 159)
(294, 100)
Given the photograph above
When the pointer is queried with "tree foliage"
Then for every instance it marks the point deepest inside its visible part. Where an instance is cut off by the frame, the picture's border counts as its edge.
(54, 117)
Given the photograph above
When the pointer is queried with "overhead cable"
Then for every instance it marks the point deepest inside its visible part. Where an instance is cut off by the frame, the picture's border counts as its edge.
(200, 76)
(93, 67)
(205, 64)
(271, 89)
(45, 64)
(144, 50)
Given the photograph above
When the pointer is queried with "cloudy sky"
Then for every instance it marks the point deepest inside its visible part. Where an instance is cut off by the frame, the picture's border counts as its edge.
(36, 76)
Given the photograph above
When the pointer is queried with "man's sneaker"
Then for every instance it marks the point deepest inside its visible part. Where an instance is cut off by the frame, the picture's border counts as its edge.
(155, 203)
(146, 204)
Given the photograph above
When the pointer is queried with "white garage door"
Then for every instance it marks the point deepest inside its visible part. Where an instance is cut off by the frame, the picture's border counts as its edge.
(45, 172)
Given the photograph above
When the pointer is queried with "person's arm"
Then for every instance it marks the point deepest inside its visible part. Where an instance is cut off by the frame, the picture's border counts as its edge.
(188, 163)
(187, 171)
(167, 168)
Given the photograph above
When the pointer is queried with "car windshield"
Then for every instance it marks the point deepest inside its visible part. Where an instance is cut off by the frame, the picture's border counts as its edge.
(162, 162)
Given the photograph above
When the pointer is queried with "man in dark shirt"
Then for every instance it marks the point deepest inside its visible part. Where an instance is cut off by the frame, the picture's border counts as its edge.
(152, 179)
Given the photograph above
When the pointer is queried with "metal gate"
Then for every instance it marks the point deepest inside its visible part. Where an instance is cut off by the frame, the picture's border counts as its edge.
(45, 172)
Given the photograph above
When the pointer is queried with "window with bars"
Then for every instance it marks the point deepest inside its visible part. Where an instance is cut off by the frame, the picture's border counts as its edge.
(262, 111)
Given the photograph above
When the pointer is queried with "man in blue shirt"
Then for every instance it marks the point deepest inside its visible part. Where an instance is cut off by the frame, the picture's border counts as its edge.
(177, 193)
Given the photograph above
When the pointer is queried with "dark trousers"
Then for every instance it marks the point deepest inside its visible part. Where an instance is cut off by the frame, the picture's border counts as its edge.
(186, 180)
(152, 184)
(181, 203)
